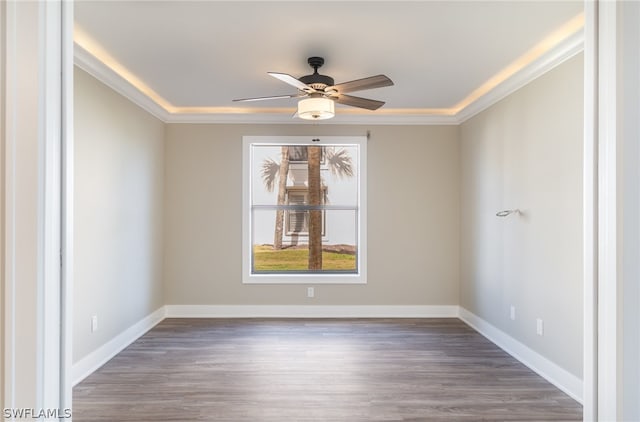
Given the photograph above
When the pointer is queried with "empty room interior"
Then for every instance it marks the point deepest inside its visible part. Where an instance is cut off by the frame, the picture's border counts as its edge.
(450, 226)
(328, 211)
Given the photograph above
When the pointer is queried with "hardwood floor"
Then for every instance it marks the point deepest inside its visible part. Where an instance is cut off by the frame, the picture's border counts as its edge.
(290, 370)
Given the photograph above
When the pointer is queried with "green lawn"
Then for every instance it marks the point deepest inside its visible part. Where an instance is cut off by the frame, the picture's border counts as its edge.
(267, 259)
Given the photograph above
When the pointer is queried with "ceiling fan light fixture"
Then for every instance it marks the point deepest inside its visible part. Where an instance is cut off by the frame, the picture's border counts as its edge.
(317, 108)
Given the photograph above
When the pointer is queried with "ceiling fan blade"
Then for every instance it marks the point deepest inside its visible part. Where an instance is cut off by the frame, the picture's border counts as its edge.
(358, 102)
(288, 79)
(275, 97)
(361, 84)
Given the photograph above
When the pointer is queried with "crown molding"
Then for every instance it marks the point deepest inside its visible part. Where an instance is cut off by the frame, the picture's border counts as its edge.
(566, 49)
(556, 56)
(339, 119)
(90, 64)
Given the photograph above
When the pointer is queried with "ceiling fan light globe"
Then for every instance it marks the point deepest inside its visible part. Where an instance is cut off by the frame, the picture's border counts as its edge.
(316, 109)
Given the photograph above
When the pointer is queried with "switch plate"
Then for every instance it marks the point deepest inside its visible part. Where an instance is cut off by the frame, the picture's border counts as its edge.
(512, 313)
(311, 292)
(539, 327)
(94, 323)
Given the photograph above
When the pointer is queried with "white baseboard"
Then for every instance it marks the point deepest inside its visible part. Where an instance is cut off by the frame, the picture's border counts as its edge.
(310, 311)
(548, 370)
(87, 365)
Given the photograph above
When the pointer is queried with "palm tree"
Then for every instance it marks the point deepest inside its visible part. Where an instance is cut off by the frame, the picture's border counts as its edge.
(340, 164)
(314, 154)
(270, 172)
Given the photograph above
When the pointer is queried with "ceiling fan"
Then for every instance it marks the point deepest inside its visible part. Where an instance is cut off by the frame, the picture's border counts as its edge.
(319, 92)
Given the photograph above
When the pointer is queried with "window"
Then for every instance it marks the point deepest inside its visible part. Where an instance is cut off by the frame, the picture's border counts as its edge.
(304, 210)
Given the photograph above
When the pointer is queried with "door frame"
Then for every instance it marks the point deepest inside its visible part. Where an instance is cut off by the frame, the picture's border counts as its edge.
(36, 81)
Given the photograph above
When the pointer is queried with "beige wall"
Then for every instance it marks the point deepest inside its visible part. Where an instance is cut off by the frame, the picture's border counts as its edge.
(413, 217)
(526, 152)
(119, 175)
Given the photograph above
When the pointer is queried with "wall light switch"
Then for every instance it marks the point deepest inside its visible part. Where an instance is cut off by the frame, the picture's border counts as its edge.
(310, 292)
(94, 323)
(512, 313)
(539, 327)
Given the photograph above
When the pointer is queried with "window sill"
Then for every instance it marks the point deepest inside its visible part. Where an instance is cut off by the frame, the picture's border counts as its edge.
(304, 279)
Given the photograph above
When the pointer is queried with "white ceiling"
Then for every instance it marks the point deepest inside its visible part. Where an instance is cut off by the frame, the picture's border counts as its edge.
(199, 55)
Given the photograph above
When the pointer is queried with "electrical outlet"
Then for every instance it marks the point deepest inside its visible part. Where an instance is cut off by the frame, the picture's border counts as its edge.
(311, 292)
(539, 327)
(94, 323)
(512, 313)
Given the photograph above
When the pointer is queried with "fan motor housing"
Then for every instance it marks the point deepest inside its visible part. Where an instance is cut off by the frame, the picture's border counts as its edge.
(317, 78)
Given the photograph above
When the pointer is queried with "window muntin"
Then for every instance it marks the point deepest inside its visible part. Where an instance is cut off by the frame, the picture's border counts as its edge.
(268, 201)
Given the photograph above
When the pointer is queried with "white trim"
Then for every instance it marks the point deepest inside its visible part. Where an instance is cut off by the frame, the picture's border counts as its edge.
(31, 136)
(87, 62)
(67, 229)
(609, 221)
(617, 124)
(9, 138)
(311, 311)
(90, 363)
(590, 216)
(548, 61)
(556, 56)
(377, 118)
(548, 370)
(49, 206)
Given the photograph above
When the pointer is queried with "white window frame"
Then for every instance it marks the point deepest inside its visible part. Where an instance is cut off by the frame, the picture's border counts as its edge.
(358, 277)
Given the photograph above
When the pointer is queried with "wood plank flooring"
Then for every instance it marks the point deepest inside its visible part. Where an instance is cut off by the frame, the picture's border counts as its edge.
(290, 370)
